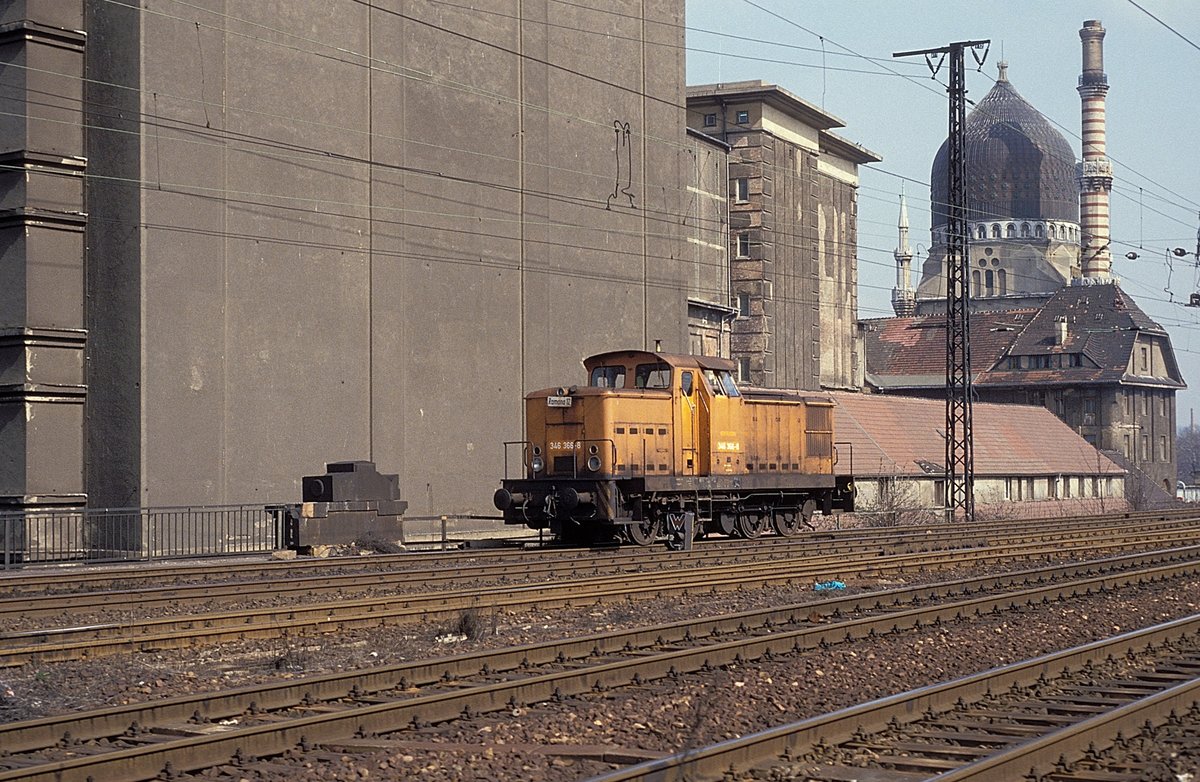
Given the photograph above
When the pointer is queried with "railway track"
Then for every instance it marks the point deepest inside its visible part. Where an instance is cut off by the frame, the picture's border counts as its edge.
(21, 606)
(339, 572)
(139, 742)
(93, 638)
(1054, 717)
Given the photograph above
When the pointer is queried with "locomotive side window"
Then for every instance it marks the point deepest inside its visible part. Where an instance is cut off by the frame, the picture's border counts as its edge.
(652, 376)
(685, 383)
(714, 382)
(608, 377)
(728, 384)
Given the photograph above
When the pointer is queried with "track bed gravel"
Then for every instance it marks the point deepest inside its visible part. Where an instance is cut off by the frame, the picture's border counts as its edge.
(572, 739)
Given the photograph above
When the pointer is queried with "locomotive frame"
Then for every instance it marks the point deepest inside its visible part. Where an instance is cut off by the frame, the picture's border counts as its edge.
(654, 436)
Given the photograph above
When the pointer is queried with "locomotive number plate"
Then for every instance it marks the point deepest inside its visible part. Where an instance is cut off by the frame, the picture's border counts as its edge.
(558, 401)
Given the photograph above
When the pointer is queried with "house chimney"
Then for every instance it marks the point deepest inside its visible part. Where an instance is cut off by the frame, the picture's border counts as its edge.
(1095, 172)
(1060, 330)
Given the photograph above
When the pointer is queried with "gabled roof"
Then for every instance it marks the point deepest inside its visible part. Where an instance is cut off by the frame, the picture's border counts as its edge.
(1103, 323)
(904, 436)
(911, 352)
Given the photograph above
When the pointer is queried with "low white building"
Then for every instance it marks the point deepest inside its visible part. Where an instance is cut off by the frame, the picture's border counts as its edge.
(895, 448)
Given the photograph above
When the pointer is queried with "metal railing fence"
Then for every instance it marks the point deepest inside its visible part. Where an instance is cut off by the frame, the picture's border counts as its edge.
(132, 534)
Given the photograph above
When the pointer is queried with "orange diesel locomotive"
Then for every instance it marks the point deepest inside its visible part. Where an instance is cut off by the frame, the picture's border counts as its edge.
(654, 436)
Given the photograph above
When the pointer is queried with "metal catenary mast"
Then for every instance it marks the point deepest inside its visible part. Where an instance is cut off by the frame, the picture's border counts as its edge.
(960, 451)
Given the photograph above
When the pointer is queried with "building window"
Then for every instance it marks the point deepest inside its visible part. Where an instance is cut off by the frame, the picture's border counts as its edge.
(990, 282)
(743, 303)
(1025, 230)
(1145, 448)
(995, 230)
(710, 120)
(1010, 231)
(743, 370)
(1164, 452)
(743, 245)
(983, 232)
(1128, 453)
(975, 284)
(1144, 359)
(743, 118)
(1002, 280)
(741, 190)
(1039, 231)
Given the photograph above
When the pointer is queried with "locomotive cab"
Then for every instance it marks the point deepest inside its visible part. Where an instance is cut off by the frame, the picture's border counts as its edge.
(652, 436)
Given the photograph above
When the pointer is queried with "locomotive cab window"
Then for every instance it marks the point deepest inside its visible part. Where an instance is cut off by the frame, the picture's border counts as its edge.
(728, 384)
(685, 383)
(652, 376)
(714, 382)
(608, 377)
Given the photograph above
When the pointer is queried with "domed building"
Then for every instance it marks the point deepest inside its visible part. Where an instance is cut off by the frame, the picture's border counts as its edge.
(1022, 205)
(1049, 324)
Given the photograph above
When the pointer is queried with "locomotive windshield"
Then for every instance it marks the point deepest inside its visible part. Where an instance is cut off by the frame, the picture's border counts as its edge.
(652, 376)
(721, 382)
(727, 381)
(608, 377)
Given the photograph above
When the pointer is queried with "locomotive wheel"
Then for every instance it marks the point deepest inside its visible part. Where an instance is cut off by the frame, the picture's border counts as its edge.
(751, 525)
(643, 533)
(787, 523)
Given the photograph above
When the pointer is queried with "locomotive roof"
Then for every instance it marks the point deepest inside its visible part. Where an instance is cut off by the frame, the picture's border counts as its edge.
(647, 356)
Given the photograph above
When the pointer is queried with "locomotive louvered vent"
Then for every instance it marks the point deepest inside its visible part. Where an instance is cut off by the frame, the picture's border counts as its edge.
(819, 423)
(564, 464)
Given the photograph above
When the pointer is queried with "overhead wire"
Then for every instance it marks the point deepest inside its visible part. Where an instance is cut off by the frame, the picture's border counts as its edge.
(581, 172)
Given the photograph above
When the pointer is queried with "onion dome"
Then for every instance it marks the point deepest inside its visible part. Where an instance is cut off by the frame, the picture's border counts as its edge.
(1018, 165)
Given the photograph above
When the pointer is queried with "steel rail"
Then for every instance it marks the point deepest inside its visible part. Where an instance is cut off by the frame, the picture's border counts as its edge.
(94, 640)
(113, 721)
(281, 734)
(63, 605)
(793, 740)
(23, 582)
(59, 605)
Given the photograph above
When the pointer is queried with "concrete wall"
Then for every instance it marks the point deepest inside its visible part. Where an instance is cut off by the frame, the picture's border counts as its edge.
(706, 252)
(42, 337)
(331, 230)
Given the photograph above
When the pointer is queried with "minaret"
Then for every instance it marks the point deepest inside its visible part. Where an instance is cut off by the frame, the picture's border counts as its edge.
(904, 299)
(1095, 172)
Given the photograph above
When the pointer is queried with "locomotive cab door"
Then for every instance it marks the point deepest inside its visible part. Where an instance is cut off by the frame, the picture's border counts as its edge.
(688, 414)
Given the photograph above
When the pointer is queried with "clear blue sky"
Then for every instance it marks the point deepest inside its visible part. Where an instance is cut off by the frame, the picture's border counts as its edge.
(1154, 78)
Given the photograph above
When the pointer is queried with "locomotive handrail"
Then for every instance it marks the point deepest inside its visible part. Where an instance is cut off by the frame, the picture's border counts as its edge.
(837, 453)
(524, 462)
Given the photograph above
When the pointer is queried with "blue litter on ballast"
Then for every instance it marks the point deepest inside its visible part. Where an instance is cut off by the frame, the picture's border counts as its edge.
(822, 586)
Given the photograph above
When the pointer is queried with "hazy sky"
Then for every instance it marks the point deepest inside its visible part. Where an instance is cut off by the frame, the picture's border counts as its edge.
(837, 54)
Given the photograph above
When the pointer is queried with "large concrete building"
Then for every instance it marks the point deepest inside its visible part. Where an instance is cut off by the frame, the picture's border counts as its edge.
(793, 234)
(319, 231)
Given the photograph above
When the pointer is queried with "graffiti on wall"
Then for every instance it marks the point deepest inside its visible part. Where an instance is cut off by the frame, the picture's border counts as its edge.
(623, 179)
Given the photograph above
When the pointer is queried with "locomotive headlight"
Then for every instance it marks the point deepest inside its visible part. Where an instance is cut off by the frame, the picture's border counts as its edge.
(537, 463)
(593, 463)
